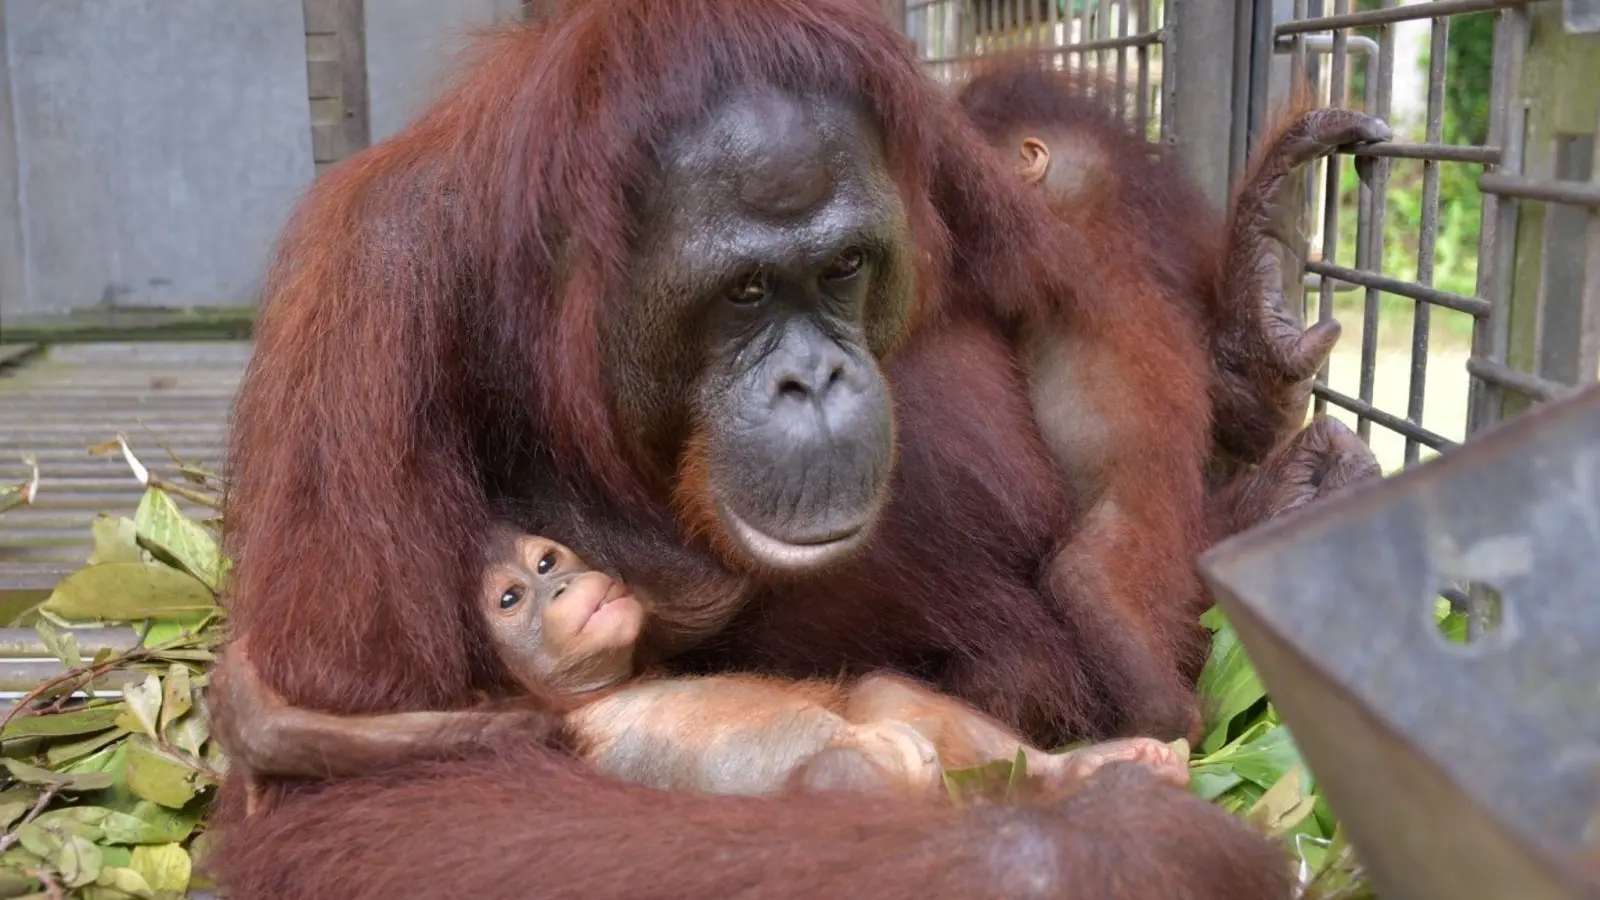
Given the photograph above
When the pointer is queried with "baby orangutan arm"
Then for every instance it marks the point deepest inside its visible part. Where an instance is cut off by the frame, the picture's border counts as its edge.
(279, 740)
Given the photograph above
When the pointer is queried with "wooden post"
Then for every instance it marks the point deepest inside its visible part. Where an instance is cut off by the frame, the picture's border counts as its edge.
(336, 74)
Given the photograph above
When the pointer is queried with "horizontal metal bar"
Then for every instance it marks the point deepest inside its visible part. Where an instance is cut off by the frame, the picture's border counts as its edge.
(1359, 44)
(1577, 193)
(1472, 306)
(1388, 420)
(1489, 156)
(1434, 10)
(1146, 39)
(1501, 375)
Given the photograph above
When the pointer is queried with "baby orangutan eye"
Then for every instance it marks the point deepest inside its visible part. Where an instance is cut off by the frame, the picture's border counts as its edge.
(511, 597)
(547, 563)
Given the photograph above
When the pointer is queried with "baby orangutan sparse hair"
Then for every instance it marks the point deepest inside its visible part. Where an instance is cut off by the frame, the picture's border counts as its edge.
(558, 624)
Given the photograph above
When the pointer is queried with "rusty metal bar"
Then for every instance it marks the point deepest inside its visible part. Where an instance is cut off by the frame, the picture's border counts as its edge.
(1375, 186)
(1142, 56)
(1392, 14)
(1437, 53)
(1366, 410)
(1135, 40)
(1122, 62)
(1491, 339)
(1431, 151)
(1502, 375)
(1576, 193)
(1472, 306)
(1330, 209)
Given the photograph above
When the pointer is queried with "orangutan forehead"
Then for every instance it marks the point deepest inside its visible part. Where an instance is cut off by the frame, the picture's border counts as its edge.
(769, 175)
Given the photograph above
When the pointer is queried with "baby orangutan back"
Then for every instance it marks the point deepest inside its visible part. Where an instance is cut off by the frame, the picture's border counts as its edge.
(558, 624)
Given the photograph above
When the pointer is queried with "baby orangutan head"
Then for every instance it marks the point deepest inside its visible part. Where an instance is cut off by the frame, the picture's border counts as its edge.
(557, 622)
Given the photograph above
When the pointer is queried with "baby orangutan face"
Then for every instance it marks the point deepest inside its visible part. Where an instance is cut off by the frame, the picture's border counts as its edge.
(558, 622)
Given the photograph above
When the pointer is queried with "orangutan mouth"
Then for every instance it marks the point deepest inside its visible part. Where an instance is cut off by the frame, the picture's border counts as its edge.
(789, 556)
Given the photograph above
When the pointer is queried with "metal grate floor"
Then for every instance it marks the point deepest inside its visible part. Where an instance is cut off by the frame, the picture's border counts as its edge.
(56, 404)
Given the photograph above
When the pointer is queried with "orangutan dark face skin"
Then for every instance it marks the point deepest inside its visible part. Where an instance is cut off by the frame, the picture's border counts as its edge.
(775, 268)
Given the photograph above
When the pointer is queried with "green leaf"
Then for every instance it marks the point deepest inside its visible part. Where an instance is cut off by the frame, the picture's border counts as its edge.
(191, 732)
(127, 592)
(143, 703)
(63, 724)
(1265, 759)
(1228, 684)
(78, 861)
(161, 777)
(191, 624)
(63, 645)
(126, 880)
(1209, 784)
(116, 539)
(166, 530)
(165, 867)
(14, 883)
(75, 783)
(1019, 773)
(1285, 804)
(59, 754)
(175, 696)
(152, 823)
(11, 811)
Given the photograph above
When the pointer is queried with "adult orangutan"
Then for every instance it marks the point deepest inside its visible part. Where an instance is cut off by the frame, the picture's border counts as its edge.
(1093, 169)
(728, 297)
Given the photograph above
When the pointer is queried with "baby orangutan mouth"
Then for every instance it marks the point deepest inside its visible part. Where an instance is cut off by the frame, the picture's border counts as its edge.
(601, 609)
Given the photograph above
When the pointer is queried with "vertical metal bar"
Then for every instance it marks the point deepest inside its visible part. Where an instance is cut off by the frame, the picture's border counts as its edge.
(1122, 62)
(1377, 183)
(1438, 50)
(1330, 210)
(1030, 32)
(1171, 37)
(1512, 41)
(1054, 18)
(1243, 24)
(1141, 104)
(988, 33)
(1497, 238)
(1013, 30)
(1102, 30)
(1589, 342)
(1297, 81)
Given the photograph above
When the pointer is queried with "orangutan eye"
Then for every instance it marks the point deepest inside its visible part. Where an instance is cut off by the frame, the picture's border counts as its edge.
(752, 290)
(547, 563)
(511, 597)
(846, 266)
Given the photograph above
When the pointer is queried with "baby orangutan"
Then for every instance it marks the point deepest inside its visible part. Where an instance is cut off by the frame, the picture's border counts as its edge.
(558, 624)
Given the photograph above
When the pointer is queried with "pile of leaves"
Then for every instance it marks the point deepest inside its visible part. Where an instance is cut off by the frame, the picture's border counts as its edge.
(109, 770)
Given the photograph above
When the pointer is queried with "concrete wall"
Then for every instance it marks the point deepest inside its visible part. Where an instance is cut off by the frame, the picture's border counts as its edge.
(412, 45)
(150, 150)
(158, 147)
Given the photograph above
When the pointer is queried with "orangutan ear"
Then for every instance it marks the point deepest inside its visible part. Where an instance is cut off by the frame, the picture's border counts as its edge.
(1035, 161)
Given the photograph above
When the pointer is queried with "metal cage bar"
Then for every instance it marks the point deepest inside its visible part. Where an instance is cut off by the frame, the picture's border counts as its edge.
(1129, 47)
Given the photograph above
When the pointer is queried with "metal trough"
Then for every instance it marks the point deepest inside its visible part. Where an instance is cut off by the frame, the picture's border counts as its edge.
(1459, 770)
